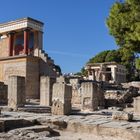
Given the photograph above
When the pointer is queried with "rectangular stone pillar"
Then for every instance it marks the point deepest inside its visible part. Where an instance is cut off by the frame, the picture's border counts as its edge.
(92, 96)
(61, 99)
(46, 84)
(16, 92)
(137, 105)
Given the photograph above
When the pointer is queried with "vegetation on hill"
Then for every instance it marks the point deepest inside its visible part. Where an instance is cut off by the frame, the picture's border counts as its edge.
(124, 25)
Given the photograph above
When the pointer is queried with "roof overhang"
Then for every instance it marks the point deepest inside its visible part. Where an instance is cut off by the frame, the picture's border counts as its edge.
(21, 24)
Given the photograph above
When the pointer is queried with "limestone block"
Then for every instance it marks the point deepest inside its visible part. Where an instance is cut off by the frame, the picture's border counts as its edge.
(137, 105)
(16, 92)
(121, 115)
(62, 79)
(46, 84)
(61, 100)
(89, 96)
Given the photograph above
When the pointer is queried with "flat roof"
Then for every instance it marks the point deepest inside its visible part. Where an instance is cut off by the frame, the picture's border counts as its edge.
(21, 23)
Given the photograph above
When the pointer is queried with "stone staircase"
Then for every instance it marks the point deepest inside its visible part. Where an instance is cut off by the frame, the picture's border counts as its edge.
(47, 59)
(44, 56)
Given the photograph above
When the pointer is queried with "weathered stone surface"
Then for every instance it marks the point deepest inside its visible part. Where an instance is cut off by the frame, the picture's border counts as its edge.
(92, 96)
(120, 97)
(137, 105)
(121, 115)
(16, 92)
(133, 83)
(95, 123)
(61, 100)
(62, 79)
(76, 92)
(46, 84)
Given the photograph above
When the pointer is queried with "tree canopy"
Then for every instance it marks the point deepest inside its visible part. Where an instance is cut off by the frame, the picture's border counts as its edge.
(107, 56)
(124, 24)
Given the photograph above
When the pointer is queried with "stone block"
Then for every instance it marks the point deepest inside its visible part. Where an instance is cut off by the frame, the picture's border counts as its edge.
(61, 100)
(16, 92)
(137, 105)
(121, 115)
(62, 79)
(89, 96)
(92, 96)
(46, 84)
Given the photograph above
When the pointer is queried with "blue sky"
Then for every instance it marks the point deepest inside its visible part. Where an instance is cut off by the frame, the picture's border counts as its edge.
(74, 30)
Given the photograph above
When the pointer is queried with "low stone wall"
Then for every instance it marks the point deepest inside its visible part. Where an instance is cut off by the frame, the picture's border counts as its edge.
(120, 97)
(133, 83)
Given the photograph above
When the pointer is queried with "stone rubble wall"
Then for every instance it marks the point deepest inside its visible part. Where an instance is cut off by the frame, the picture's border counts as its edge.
(120, 97)
(133, 83)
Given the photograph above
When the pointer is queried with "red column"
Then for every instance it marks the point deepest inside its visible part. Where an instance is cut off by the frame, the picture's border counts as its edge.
(26, 41)
(11, 42)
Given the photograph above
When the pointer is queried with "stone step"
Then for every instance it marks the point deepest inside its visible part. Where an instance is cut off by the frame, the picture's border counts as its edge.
(35, 109)
(36, 128)
(35, 132)
(8, 123)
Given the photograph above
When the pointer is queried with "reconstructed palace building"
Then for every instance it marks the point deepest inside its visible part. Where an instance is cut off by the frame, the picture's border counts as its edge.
(108, 71)
(21, 54)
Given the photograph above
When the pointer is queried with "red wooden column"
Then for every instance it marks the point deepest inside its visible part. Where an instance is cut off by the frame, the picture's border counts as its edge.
(26, 41)
(11, 43)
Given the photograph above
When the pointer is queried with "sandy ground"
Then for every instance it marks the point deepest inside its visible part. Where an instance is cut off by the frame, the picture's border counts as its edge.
(81, 136)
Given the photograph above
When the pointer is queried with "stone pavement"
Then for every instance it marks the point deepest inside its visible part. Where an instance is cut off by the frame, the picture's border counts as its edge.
(97, 123)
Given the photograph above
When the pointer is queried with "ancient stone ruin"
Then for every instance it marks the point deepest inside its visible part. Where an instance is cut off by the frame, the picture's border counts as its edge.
(16, 92)
(38, 102)
(92, 96)
(61, 100)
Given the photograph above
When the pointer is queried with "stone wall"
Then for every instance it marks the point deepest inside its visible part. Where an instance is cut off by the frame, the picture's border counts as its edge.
(32, 78)
(15, 66)
(45, 69)
(22, 66)
(133, 83)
